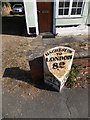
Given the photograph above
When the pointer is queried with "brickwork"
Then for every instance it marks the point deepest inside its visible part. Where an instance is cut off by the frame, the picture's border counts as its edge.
(85, 63)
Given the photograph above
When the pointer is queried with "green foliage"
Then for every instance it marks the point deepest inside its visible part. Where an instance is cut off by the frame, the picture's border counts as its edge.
(75, 71)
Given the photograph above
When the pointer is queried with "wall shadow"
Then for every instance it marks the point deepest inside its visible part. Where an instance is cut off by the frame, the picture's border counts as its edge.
(14, 25)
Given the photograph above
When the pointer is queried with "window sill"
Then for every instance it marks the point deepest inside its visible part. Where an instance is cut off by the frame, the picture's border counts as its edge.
(69, 17)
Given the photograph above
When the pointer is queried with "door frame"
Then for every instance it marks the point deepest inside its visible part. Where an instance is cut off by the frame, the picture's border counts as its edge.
(36, 17)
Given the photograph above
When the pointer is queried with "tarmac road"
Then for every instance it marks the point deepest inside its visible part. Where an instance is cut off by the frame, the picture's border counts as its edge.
(71, 103)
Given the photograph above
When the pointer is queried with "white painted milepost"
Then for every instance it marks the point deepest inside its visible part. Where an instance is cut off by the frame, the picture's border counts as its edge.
(57, 65)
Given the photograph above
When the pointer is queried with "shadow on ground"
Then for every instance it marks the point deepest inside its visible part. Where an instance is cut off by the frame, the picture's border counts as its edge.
(14, 25)
(25, 76)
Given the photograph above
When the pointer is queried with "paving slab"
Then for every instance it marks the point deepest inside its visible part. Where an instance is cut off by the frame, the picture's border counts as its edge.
(40, 45)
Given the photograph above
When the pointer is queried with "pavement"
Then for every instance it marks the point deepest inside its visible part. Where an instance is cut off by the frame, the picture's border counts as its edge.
(70, 103)
(39, 45)
(27, 101)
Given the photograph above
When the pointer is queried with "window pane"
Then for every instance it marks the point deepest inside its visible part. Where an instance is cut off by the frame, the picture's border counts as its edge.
(60, 11)
(80, 4)
(74, 4)
(73, 11)
(67, 4)
(66, 11)
(79, 11)
(61, 4)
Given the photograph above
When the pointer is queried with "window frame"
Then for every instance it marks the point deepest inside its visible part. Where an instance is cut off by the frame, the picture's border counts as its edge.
(70, 10)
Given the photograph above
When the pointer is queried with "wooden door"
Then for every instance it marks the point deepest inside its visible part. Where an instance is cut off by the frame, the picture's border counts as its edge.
(45, 18)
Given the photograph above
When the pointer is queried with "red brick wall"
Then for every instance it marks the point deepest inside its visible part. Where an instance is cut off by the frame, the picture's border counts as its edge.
(85, 63)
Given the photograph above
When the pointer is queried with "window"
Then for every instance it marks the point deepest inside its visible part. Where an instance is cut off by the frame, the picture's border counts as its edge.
(64, 7)
(77, 7)
(70, 7)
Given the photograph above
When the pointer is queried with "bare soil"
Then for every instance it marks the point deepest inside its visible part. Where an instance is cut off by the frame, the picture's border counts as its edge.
(15, 67)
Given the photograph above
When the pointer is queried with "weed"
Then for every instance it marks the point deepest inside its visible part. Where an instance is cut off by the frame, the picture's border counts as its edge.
(75, 71)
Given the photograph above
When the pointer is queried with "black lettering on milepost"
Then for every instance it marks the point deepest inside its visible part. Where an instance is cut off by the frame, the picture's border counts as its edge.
(62, 64)
(59, 58)
(55, 65)
(58, 65)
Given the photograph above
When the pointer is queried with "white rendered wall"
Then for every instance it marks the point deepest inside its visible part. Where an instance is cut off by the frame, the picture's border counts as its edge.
(31, 14)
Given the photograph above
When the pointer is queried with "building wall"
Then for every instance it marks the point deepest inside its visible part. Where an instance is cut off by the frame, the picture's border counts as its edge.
(31, 15)
(68, 21)
(88, 18)
(32, 21)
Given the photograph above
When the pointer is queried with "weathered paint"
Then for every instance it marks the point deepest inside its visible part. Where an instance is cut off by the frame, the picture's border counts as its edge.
(57, 64)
